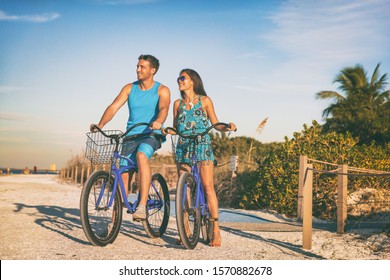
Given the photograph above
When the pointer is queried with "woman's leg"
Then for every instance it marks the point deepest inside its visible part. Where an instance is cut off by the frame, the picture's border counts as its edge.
(207, 176)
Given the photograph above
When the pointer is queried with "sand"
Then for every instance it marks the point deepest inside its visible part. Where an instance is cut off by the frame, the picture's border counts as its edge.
(40, 221)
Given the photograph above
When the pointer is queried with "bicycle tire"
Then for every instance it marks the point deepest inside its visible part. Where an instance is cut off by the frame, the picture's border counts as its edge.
(158, 209)
(187, 214)
(101, 225)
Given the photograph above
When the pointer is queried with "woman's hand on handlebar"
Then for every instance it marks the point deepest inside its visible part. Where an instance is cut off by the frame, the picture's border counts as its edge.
(168, 130)
(231, 127)
(224, 127)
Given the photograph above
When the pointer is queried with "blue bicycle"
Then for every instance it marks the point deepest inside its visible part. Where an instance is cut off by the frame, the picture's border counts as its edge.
(192, 211)
(103, 196)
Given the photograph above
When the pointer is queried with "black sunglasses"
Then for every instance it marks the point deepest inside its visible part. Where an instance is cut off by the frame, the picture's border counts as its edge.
(181, 78)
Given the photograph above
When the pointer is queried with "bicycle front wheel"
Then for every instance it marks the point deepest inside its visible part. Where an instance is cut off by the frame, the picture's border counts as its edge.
(158, 207)
(187, 213)
(100, 224)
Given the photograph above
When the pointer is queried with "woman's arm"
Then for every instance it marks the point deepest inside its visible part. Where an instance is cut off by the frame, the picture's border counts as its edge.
(208, 106)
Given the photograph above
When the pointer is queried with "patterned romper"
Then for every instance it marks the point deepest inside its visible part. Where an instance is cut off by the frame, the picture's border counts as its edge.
(190, 122)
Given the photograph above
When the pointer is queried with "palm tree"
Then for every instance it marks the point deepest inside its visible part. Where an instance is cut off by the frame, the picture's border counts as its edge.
(362, 108)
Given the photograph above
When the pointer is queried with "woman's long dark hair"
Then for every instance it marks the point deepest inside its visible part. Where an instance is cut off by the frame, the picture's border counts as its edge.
(198, 84)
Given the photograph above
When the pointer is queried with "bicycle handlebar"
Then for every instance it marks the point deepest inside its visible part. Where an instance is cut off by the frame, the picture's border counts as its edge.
(193, 136)
(118, 136)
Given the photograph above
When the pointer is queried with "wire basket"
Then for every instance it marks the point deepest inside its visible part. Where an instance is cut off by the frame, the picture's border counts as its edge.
(100, 149)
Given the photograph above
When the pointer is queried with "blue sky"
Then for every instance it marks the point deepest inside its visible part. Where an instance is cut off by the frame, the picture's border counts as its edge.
(63, 62)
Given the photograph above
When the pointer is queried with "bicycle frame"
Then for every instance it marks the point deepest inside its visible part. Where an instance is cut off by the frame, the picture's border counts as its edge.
(200, 193)
(130, 166)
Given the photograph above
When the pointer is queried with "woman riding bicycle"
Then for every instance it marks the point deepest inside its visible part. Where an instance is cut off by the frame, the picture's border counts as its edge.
(192, 114)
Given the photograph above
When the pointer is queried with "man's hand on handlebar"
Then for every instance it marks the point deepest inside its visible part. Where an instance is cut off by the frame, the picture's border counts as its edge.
(155, 125)
(94, 128)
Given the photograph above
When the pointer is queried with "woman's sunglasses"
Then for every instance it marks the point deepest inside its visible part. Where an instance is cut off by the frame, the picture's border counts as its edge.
(181, 78)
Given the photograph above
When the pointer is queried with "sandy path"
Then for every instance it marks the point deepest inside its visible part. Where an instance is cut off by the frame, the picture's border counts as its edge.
(40, 221)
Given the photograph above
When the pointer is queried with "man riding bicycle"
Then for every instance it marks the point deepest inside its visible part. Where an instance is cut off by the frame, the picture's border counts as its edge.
(148, 101)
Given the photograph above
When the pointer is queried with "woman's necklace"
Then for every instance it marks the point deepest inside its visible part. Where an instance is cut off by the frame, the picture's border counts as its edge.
(191, 103)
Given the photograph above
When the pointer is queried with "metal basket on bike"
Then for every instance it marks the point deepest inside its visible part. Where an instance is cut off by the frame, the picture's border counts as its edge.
(100, 149)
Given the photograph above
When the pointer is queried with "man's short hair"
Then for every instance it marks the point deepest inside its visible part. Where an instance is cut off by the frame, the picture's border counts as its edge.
(154, 63)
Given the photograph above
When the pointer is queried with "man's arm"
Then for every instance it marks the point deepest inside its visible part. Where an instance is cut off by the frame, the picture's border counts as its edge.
(163, 106)
(113, 108)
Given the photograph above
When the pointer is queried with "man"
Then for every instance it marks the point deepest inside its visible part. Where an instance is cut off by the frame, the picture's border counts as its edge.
(148, 101)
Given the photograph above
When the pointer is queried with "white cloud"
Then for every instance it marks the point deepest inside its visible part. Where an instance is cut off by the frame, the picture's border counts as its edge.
(11, 116)
(29, 18)
(250, 55)
(332, 30)
(127, 2)
(10, 89)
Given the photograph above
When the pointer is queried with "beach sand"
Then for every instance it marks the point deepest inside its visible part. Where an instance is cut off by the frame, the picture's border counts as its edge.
(40, 221)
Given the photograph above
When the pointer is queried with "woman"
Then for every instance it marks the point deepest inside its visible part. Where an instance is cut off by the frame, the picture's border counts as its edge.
(193, 113)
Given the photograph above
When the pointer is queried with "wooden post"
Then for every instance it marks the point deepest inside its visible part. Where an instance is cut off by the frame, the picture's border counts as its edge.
(75, 174)
(342, 198)
(82, 175)
(163, 169)
(88, 170)
(302, 170)
(308, 208)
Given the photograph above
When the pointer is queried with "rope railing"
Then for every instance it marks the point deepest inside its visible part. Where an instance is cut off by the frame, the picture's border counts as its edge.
(305, 192)
(335, 172)
(323, 162)
(371, 171)
(368, 172)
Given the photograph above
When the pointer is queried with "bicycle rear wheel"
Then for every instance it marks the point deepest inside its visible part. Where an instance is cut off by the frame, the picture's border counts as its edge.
(158, 207)
(100, 224)
(187, 214)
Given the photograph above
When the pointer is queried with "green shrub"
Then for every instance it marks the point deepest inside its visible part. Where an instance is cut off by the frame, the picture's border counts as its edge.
(276, 187)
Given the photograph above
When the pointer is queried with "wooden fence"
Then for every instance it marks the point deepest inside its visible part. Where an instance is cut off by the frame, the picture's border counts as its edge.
(79, 174)
(305, 193)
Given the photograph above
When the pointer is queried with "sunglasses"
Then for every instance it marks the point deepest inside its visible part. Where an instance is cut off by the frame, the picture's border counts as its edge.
(181, 78)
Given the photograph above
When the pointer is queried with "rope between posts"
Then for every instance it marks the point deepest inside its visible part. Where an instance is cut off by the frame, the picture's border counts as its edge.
(223, 164)
(319, 161)
(349, 174)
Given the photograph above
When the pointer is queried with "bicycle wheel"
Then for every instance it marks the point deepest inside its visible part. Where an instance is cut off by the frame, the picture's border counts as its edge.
(100, 224)
(158, 207)
(187, 214)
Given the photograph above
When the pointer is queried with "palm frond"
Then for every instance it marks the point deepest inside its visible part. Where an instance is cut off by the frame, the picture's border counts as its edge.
(329, 94)
(261, 125)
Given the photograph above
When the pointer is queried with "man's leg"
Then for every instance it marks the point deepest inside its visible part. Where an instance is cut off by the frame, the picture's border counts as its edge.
(144, 177)
(126, 178)
(145, 152)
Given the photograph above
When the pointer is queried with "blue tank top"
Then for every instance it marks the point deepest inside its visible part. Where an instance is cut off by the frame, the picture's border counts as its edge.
(143, 107)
